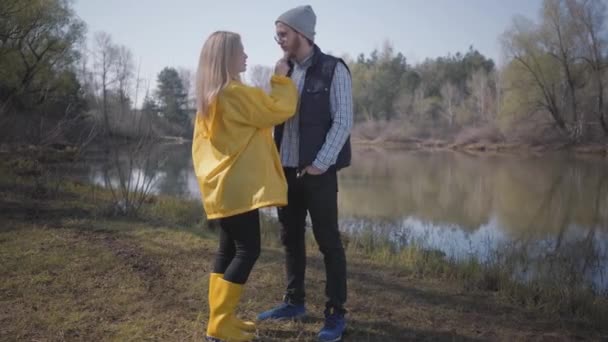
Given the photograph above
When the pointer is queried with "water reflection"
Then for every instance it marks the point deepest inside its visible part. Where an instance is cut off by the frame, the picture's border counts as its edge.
(547, 215)
(167, 167)
(529, 196)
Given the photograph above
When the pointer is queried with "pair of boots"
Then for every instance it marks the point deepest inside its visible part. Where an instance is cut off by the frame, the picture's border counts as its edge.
(223, 324)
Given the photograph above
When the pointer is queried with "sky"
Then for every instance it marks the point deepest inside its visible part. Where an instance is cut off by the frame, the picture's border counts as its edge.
(164, 33)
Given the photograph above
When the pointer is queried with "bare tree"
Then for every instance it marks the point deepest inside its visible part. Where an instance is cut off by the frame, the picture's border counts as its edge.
(521, 43)
(451, 97)
(129, 173)
(404, 103)
(105, 57)
(187, 77)
(123, 74)
(498, 95)
(590, 23)
(129, 176)
(10, 32)
(564, 58)
(83, 71)
(479, 87)
(558, 31)
(259, 76)
(37, 36)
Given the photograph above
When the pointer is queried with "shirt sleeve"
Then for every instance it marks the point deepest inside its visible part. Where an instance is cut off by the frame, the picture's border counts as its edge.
(341, 107)
(252, 106)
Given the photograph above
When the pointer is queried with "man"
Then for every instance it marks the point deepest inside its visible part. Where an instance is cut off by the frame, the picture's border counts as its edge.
(314, 144)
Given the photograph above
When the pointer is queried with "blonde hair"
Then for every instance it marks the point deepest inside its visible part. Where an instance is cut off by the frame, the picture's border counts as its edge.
(214, 67)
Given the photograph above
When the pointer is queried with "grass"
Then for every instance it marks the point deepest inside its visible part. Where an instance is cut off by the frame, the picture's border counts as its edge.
(71, 272)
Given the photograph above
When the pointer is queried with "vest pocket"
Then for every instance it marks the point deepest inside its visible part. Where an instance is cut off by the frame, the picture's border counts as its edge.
(314, 100)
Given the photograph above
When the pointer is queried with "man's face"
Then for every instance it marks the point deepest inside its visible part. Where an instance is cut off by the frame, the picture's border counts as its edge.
(288, 39)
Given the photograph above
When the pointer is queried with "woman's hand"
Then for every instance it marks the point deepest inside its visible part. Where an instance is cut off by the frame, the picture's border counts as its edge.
(282, 67)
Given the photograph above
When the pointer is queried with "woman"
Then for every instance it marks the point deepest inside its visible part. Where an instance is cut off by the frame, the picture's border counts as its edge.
(238, 169)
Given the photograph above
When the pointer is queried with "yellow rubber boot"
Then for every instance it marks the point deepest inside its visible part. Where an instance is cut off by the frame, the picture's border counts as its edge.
(224, 299)
(244, 325)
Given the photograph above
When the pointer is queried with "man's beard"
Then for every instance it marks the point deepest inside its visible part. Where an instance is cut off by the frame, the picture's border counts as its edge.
(294, 49)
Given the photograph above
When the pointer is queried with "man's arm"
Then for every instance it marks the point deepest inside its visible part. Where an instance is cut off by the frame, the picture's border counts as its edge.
(341, 106)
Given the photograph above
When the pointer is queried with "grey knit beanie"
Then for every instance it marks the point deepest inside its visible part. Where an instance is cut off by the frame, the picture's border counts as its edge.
(301, 19)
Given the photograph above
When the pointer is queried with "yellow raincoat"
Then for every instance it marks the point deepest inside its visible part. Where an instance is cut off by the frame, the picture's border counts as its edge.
(235, 159)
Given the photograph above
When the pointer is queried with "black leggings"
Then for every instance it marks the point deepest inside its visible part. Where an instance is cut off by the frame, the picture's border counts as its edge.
(239, 246)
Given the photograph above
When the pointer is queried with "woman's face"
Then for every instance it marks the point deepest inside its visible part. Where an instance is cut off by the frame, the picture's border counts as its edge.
(239, 64)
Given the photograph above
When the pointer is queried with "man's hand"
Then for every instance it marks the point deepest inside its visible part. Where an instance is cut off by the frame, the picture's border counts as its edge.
(310, 170)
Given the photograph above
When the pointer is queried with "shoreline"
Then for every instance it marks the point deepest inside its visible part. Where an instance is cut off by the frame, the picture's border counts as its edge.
(483, 147)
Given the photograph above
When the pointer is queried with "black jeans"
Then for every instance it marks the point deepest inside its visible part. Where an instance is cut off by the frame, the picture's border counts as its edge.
(317, 195)
(239, 246)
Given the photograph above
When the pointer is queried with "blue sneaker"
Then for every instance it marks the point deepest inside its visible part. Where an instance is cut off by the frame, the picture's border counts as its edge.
(334, 327)
(284, 311)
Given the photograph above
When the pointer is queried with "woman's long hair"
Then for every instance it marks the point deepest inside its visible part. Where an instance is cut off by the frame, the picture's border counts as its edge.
(218, 54)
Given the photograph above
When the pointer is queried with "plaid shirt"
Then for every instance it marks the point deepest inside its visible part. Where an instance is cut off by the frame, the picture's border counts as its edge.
(341, 107)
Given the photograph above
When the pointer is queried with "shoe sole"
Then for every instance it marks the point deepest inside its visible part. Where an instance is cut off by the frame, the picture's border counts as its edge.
(334, 340)
(293, 318)
(213, 339)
